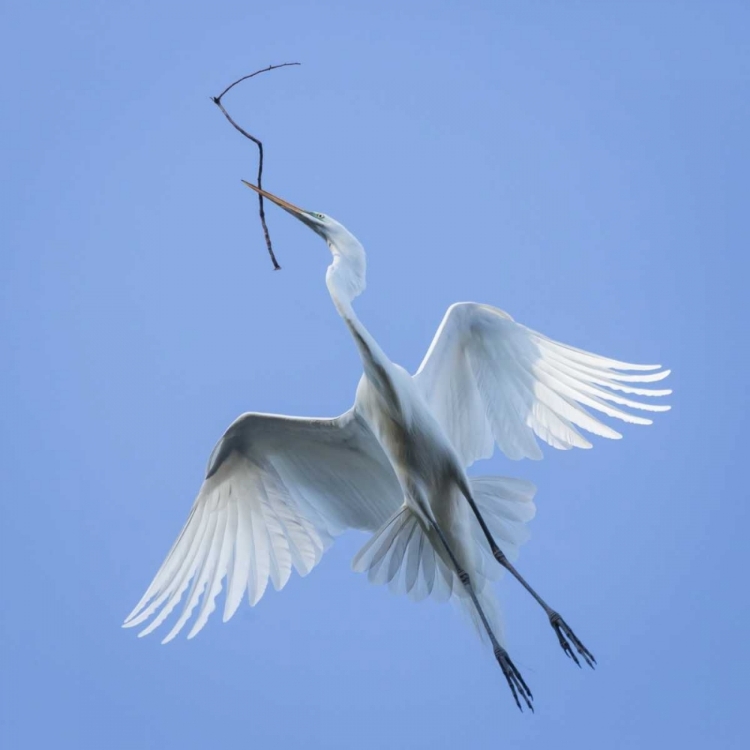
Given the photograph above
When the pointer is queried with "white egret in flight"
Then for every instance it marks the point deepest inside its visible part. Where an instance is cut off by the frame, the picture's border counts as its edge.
(278, 489)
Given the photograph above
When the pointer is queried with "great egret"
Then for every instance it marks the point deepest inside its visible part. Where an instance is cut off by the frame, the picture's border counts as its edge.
(278, 489)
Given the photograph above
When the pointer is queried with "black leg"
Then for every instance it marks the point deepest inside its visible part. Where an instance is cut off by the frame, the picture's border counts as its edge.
(564, 633)
(512, 675)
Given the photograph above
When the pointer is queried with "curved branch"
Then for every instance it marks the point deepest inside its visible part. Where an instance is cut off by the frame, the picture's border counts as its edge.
(217, 101)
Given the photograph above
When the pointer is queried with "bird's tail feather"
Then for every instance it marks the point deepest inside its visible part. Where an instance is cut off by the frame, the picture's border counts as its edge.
(409, 557)
(506, 505)
(402, 554)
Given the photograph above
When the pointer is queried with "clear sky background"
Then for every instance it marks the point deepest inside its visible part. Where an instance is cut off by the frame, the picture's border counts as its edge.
(583, 165)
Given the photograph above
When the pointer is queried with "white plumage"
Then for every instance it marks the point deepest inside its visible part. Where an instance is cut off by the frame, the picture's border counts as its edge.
(491, 380)
(278, 489)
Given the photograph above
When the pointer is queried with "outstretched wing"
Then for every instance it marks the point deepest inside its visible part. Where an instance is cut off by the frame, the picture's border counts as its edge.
(491, 380)
(277, 490)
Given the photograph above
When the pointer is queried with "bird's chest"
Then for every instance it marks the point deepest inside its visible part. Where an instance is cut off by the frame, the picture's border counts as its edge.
(386, 419)
(406, 431)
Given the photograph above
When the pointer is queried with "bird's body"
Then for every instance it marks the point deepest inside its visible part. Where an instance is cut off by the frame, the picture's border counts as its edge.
(278, 489)
(417, 447)
(428, 469)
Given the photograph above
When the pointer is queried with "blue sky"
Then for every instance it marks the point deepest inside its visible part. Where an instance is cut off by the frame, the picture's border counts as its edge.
(582, 165)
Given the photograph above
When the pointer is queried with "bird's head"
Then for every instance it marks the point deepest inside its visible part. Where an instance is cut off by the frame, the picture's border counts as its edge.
(346, 275)
(329, 229)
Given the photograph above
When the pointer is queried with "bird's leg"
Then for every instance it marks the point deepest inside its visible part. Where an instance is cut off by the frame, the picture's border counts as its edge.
(565, 634)
(512, 675)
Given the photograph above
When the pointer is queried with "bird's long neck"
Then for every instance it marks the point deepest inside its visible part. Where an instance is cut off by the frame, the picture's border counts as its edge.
(345, 279)
(369, 349)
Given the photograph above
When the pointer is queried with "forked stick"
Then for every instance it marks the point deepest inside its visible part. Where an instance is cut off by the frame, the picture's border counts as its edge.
(217, 101)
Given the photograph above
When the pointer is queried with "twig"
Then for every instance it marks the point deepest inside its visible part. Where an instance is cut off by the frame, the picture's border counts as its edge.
(217, 101)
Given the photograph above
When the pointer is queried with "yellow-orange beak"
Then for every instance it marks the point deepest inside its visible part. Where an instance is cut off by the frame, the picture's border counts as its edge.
(304, 216)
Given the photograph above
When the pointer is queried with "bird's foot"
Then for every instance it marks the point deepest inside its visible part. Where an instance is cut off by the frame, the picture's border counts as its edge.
(513, 676)
(566, 636)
